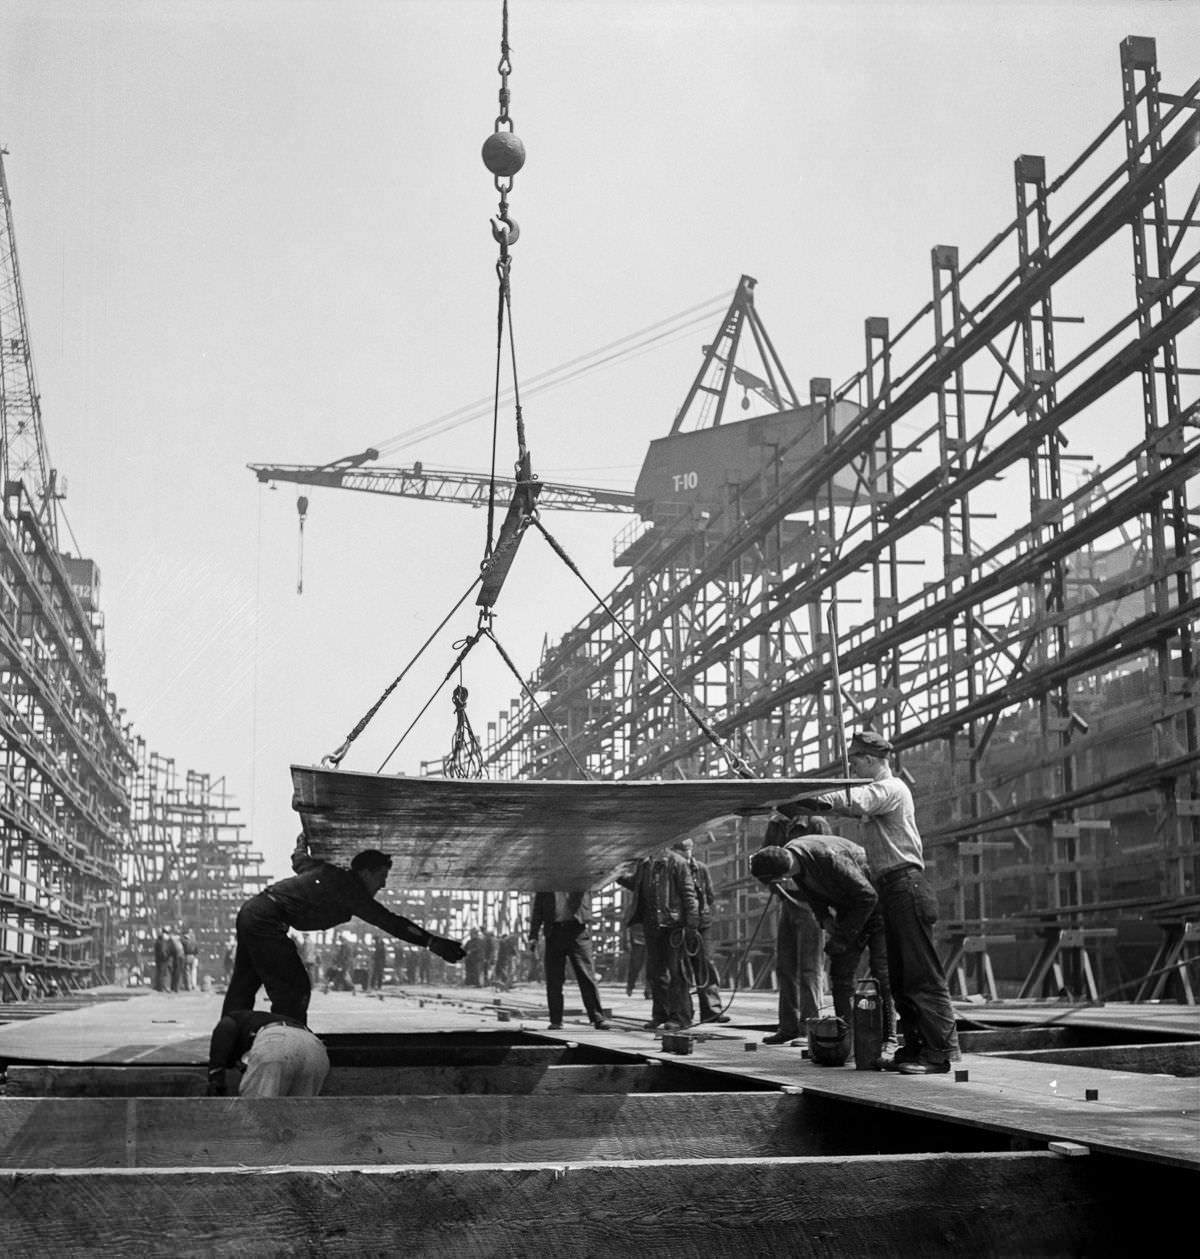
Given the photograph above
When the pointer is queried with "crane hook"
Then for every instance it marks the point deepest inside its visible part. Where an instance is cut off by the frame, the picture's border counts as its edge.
(302, 511)
(505, 231)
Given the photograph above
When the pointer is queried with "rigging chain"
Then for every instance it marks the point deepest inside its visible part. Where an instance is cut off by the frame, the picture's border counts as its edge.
(504, 155)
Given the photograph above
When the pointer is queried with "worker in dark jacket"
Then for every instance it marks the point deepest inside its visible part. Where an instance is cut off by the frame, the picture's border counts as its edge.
(697, 956)
(279, 1057)
(830, 874)
(666, 904)
(321, 895)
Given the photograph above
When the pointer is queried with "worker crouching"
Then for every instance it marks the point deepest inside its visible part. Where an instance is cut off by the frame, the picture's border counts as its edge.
(278, 1056)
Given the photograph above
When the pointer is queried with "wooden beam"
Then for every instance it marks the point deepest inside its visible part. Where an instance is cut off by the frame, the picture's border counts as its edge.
(1181, 1058)
(102, 1080)
(928, 1205)
(266, 1132)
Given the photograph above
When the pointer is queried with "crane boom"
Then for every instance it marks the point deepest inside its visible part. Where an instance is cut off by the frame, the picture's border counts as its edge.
(24, 460)
(441, 485)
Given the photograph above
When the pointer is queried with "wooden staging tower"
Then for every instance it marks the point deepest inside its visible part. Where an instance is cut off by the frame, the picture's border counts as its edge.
(1000, 506)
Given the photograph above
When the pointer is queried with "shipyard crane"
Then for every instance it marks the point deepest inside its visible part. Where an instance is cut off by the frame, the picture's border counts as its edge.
(24, 459)
(440, 485)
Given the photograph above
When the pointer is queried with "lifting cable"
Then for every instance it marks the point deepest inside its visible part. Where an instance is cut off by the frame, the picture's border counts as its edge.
(465, 644)
(504, 155)
(736, 763)
(533, 699)
(334, 759)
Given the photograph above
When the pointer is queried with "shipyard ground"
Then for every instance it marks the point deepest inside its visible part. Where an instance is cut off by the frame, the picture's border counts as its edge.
(455, 1124)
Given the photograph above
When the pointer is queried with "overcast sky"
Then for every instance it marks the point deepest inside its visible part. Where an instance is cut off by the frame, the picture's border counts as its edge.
(260, 232)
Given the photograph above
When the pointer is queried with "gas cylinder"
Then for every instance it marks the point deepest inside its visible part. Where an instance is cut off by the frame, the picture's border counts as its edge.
(868, 1026)
(828, 1041)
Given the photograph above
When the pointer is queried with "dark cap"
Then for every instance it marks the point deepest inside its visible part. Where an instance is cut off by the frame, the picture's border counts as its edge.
(770, 863)
(870, 743)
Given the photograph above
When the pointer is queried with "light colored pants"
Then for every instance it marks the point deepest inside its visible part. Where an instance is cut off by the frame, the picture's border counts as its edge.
(284, 1061)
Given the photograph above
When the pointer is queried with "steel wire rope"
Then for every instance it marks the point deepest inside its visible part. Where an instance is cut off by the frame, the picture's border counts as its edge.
(466, 644)
(333, 759)
(736, 763)
(556, 376)
(534, 700)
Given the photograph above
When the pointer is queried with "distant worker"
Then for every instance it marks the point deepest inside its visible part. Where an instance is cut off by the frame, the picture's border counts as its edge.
(379, 963)
(507, 947)
(227, 958)
(831, 876)
(564, 918)
(319, 896)
(279, 1056)
(884, 807)
(191, 960)
(489, 956)
(696, 953)
(162, 959)
(175, 961)
(473, 969)
(341, 965)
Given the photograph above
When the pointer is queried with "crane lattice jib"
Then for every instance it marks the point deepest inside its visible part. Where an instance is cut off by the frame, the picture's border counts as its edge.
(443, 485)
(23, 454)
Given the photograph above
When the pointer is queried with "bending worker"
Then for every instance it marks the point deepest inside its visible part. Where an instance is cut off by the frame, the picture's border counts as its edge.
(889, 833)
(319, 896)
(280, 1057)
(830, 874)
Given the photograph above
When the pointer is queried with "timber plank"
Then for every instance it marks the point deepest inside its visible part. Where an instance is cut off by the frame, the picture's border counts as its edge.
(987, 1206)
(1178, 1059)
(101, 1080)
(621, 1078)
(477, 1055)
(1149, 1117)
(264, 1132)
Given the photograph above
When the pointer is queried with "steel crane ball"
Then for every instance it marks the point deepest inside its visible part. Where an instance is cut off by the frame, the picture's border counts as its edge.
(503, 153)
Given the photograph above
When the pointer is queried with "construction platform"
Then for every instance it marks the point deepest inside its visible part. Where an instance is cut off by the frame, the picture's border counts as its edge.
(455, 1123)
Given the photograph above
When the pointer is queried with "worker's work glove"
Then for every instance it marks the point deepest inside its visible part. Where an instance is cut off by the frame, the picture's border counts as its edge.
(447, 950)
(835, 946)
(216, 1084)
(533, 942)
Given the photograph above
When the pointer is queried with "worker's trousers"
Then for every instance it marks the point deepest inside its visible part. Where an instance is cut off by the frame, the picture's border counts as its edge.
(284, 1061)
(919, 988)
(798, 960)
(704, 974)
(843, 969)
(568, 941)
(669, 984)
(267, 958)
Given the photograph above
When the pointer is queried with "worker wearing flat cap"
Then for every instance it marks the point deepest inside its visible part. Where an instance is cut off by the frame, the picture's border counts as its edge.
(888, 830)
